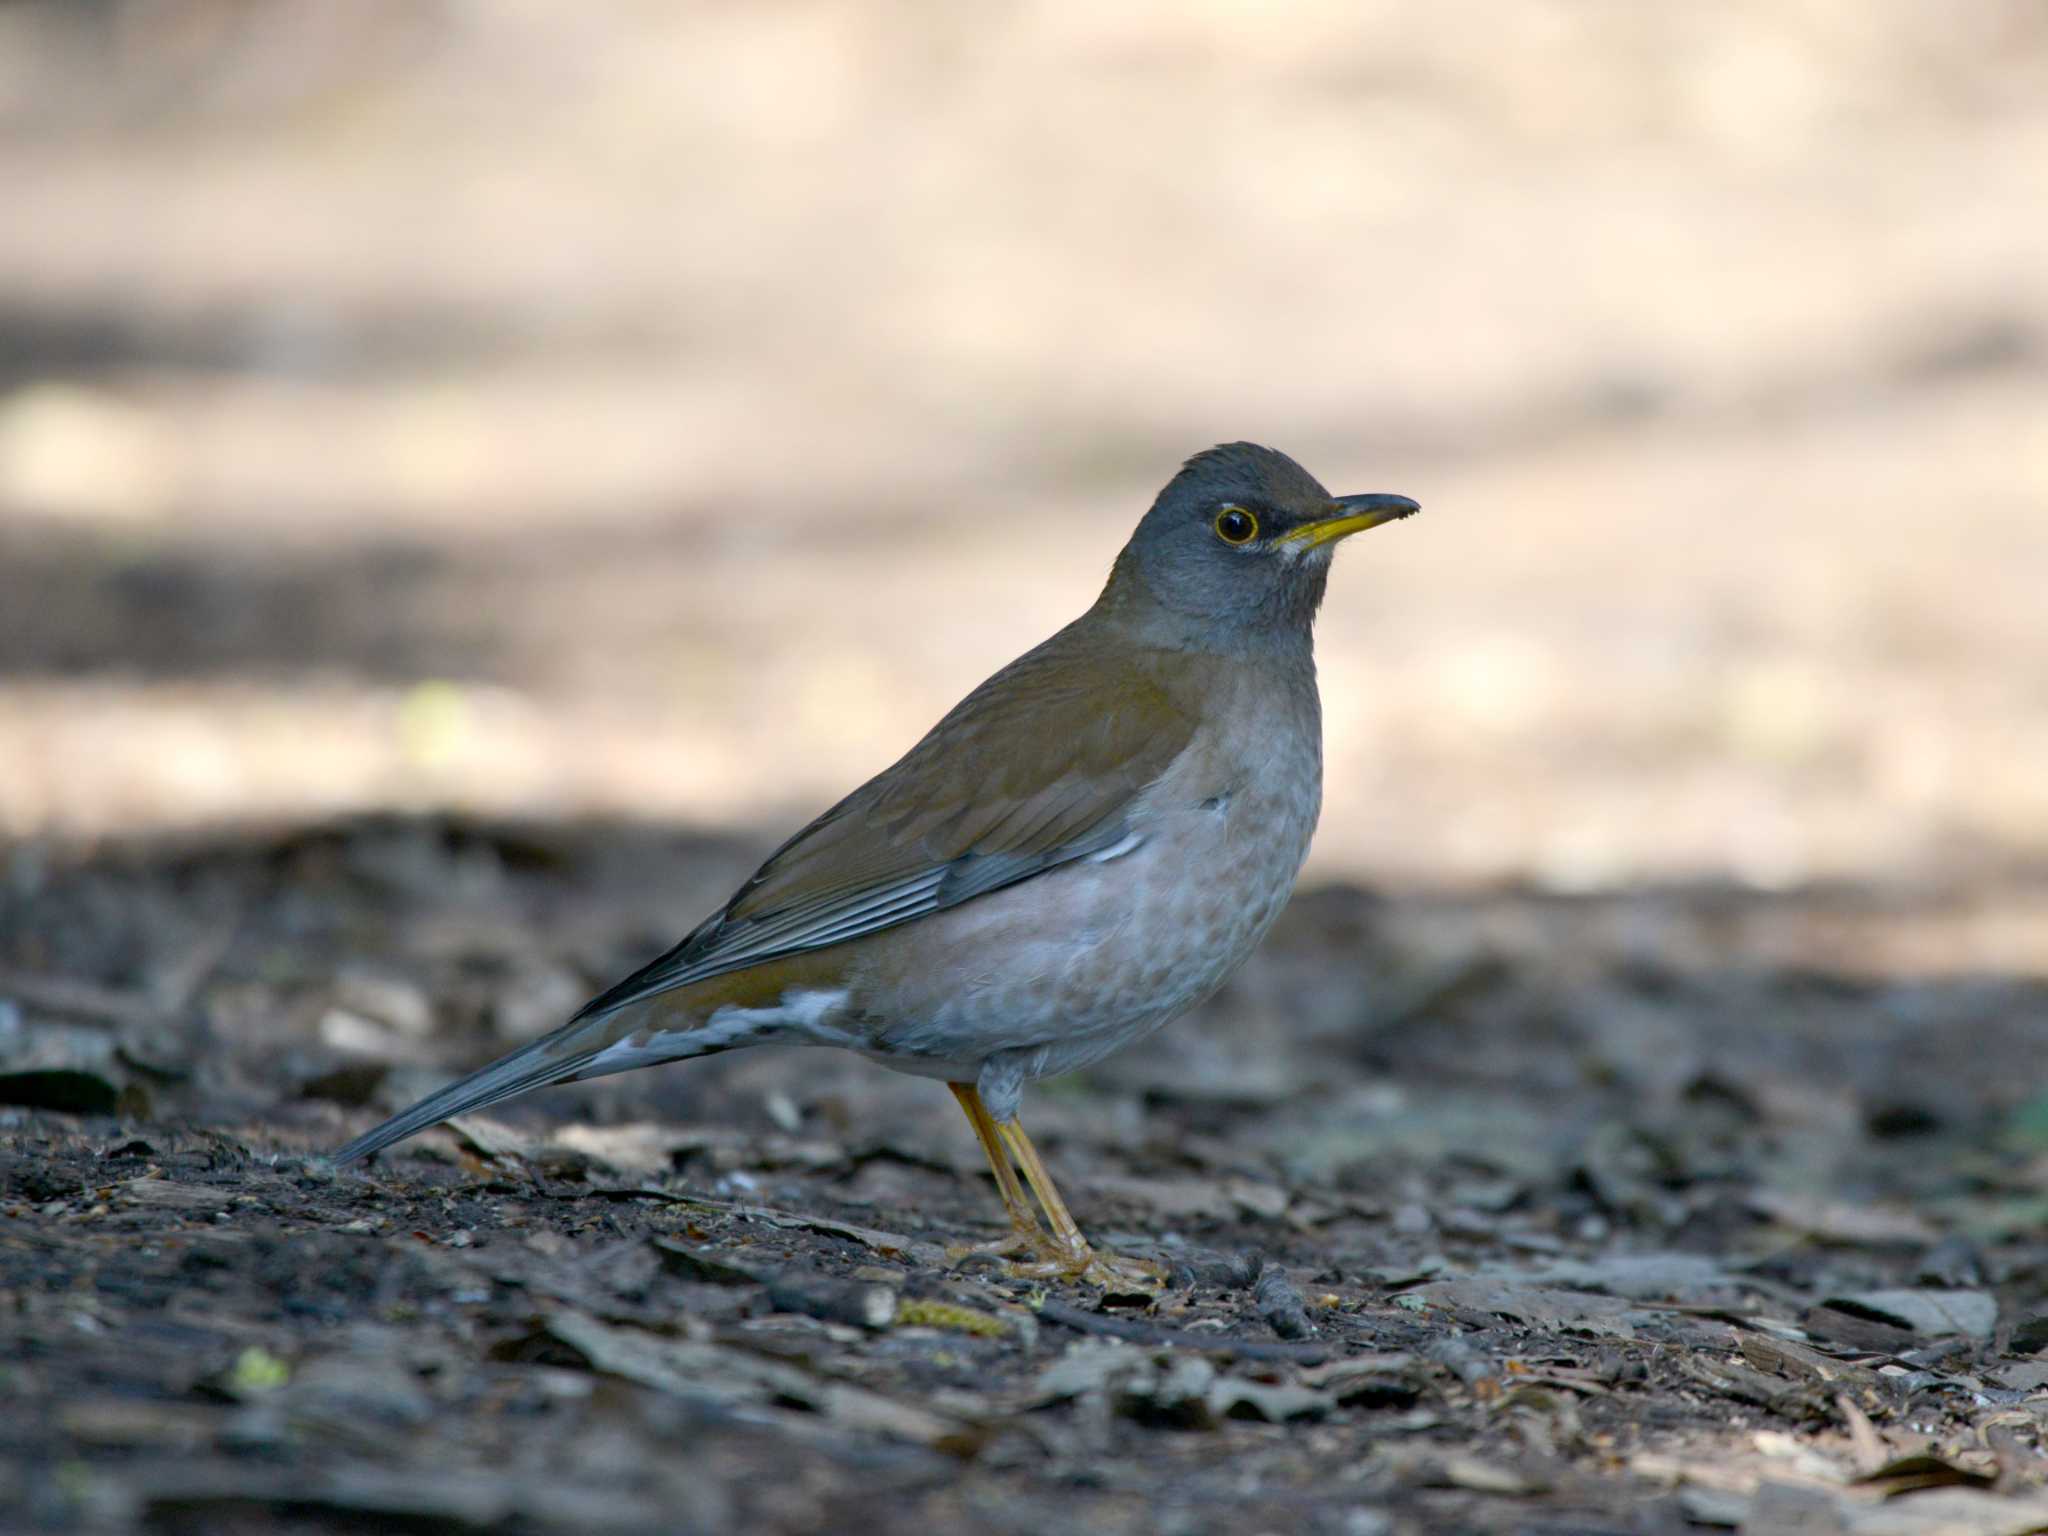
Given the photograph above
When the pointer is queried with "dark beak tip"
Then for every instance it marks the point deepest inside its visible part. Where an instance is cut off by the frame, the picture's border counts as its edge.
(1386, 503)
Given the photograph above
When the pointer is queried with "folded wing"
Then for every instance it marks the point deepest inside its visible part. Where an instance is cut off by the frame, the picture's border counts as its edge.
(1036, 768)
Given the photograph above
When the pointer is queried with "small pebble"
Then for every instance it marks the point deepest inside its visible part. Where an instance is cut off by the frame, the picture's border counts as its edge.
(834, 1301)
(1280, 1304)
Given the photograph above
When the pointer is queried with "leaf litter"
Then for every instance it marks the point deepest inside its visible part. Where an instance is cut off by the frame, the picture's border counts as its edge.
(1486, 1262)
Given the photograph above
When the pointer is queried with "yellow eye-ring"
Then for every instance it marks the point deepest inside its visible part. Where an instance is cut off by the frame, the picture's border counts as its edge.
(1234, 525)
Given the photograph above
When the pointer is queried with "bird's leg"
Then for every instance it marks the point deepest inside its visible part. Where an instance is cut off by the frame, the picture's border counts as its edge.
(1062, 1253)
(1027, 1236)
(1066, 1232)
(1079, 1261)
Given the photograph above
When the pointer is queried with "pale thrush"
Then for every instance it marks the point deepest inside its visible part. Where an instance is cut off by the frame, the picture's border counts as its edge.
(1083, 849)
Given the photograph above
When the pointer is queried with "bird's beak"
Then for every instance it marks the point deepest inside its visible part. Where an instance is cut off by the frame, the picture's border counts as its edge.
(1349, 515)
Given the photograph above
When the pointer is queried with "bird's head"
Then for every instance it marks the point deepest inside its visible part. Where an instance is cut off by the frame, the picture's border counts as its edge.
(1239, 543)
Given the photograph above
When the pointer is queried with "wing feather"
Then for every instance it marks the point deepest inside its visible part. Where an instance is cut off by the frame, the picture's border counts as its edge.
(1038, 767)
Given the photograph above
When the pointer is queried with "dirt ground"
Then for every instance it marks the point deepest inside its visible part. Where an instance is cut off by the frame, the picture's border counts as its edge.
(473, 477)
(1494, 1212)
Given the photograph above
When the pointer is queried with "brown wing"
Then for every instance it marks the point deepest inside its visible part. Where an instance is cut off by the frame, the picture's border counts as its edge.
(1036, 768)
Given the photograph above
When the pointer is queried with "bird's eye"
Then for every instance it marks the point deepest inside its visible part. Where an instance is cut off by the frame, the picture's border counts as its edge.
(1234, 525)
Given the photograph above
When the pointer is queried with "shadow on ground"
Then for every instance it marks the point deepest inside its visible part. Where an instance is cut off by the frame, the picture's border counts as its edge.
(1490, 1210)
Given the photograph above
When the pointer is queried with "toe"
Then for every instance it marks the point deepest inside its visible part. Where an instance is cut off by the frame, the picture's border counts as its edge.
(1121, 1275)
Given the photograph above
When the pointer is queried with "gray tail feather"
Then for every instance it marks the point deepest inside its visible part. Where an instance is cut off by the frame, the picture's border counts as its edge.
(509, 1076)
(562, 1056)
(574, 1051)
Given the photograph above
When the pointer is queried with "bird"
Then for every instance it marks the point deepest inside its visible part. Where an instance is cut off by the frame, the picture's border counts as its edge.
(1080, 851)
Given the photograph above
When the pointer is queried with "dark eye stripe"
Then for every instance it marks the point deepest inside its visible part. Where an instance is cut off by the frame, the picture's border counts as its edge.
(1234, 525)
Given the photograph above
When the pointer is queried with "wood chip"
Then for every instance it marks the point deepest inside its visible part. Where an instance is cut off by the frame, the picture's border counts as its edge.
(1840, 1221)
(1973, 1314)
(705, 1265)
(705, 1371)
(1864, 1440)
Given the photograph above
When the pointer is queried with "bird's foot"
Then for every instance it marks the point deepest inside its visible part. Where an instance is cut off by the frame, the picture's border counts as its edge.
(1118, 1274)
(1026, 1255)
(1039, 1256)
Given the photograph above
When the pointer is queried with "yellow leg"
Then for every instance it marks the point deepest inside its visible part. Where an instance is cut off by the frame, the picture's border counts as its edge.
(1065, 1230)
(989, 1135)
(1063, 1253)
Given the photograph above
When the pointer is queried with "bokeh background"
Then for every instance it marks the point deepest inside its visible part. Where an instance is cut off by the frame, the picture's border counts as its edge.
(475, 473)
(667, 411)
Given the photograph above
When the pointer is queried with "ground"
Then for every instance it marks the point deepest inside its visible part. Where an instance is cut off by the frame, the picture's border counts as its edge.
(1492, 1212)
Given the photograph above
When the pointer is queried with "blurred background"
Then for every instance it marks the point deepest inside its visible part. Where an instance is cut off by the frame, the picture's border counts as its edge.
(668, 411)
(475, 474)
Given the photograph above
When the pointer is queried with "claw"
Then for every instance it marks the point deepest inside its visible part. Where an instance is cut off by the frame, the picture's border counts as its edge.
(1008, 1254)
(1028, 1256)
(1120, 1275)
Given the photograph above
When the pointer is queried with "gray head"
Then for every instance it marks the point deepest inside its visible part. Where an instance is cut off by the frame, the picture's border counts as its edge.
(1238, 544)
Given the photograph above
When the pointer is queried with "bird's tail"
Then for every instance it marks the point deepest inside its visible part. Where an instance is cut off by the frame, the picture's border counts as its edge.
(583, 1048)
